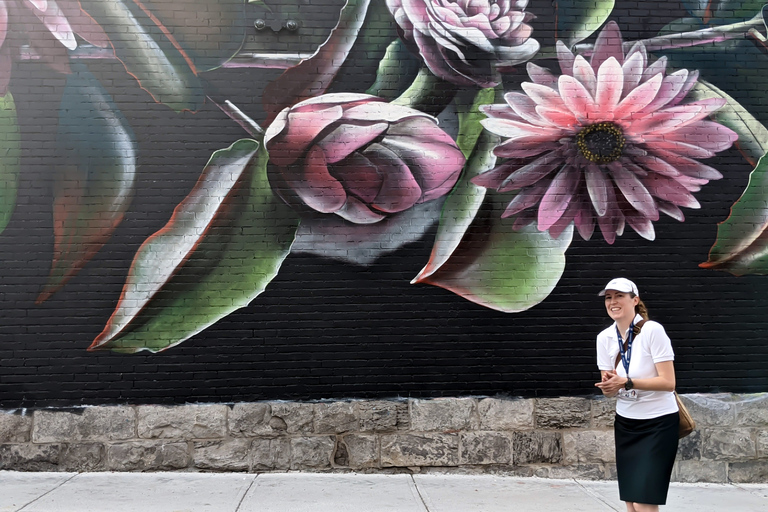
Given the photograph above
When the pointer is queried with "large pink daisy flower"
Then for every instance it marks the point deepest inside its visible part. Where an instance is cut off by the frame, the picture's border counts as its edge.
(609, 141)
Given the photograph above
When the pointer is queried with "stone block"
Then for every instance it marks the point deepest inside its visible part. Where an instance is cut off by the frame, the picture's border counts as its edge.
(87, 424)
(182, 422)
(147, 456)
(15, 427)
(560, 413)
(748, 472)
(83, 457)
(501, 414)
(578, 471)
(693, 471)
(537, 448)
(315, 452)
(730, 444)
(403, 450)
(752, 410)
(710, 410)
(379, 415)
(250, 419)
(485, 448)
(225, 455)
(336, 418)
(30, 457)
(362, 451)
(689, 447)
(292, 417)
(271, 454)
(588, 446)
(442, 414)
(603, 412)
(762, 444)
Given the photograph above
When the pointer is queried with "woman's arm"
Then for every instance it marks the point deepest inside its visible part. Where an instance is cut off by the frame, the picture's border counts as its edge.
(664, 382)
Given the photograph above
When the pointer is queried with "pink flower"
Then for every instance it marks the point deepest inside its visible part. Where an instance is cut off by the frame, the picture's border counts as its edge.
(463, 41)
(49, 27)
(609, 141)
(359, 157)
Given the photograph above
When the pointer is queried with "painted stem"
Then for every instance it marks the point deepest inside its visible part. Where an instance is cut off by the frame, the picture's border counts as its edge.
(427, 93)
(245, 122)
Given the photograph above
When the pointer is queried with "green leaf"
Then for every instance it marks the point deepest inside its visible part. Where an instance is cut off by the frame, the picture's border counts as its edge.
(312, 76)
(742, 239)
(469, 120)
(95, 179)
(162, 68)
(10, 155)
(225, 242)
(478, 255)
(579, 19)
(719, 12)
(753, 136)
(396, 71)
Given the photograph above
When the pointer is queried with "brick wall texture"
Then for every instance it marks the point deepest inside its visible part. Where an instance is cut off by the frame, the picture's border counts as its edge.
(141, 217)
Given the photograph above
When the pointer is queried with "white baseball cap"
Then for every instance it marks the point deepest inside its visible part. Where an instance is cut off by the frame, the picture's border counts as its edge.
(620, 284)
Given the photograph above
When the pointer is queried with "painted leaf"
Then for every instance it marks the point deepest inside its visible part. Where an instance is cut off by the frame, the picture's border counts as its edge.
(10, 154)
(579, 19)
(478, 255)
(469, 120)
(723, 11)
(742, 239)
(224, 243)
(162, 68)
(312, 76)
(210, 31)
(95, 179)
(753, 136)
(396, 71)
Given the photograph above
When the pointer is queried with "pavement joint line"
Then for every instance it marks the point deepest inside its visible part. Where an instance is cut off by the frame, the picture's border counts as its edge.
(747, 489)
(242, 498)
(418, 493)
(47, 493)
(596, 496)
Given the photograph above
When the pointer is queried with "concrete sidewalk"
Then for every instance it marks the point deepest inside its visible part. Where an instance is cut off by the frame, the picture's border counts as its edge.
(311, 492)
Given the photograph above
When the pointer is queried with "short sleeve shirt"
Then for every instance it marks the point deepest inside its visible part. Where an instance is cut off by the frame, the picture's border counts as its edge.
(651, 346)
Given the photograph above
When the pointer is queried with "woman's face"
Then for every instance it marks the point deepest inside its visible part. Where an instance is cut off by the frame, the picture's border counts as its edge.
(620, 306)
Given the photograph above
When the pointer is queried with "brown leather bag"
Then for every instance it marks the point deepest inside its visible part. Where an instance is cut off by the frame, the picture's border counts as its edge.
(687, 423)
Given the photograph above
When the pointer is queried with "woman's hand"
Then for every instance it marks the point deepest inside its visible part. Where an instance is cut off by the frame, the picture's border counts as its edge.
(610, 383)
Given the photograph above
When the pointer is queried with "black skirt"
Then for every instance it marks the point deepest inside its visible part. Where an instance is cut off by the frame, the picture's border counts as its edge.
(645, 454)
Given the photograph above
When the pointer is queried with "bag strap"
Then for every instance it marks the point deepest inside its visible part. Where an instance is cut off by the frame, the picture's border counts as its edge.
(635, 331)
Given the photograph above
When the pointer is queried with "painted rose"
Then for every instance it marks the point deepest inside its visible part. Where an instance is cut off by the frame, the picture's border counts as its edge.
(359, 157)
(48, 27)
(610, 141)
(464, 41)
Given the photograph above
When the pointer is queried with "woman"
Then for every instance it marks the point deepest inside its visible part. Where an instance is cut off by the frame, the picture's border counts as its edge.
(638, 369)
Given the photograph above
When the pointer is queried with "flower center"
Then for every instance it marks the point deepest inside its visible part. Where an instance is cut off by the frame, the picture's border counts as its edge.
(601, 143)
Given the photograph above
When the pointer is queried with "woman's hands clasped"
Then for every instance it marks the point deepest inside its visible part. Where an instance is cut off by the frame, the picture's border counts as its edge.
(610, 383)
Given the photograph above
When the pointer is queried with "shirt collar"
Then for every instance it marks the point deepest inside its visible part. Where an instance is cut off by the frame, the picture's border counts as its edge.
(612, 331)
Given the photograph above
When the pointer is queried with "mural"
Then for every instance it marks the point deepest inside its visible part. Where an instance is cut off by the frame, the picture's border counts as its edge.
(501, 128)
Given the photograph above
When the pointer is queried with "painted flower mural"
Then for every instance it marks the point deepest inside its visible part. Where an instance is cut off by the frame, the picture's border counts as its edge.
(359, 157)
(513, 167)
(610, 141)
(464, 41)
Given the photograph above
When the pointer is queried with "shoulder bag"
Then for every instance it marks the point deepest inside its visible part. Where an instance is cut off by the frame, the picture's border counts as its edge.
(687, 424)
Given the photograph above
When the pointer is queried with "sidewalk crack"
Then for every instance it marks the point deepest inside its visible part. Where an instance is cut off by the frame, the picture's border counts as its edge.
(47, 493)
(596, 496)
(242, 498)
(418, 493)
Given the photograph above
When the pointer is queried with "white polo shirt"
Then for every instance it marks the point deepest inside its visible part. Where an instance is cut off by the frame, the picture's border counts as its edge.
(651, 346)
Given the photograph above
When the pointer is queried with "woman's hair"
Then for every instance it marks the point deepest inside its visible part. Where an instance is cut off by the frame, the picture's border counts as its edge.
(640, 308)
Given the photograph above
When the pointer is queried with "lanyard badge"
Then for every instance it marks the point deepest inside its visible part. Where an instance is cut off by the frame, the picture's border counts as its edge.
(626, 356)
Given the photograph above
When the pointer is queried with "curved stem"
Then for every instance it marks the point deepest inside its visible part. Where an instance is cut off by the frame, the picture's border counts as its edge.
(427, 93)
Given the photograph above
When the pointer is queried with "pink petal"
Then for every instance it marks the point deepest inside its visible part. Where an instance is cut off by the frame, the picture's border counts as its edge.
(577, 98)
(634, 191)
(526, 198)
(610, 84)
(613, 221)
(659, 124)
(288, 143)
(399, 189)
(584, 73)
(563, 222)
(669, 190)
(566, 58)
(56, 23)
(358, 176)
(83, 25)
(585, 222)
(544, 96)
(608, 44)
(347, 138)
(639, 98)
(683, 149)
(531, 173)
(670, 88)
(500, 110)
(565, 120)
(671, 210)
(693, 77)
(3, 23)
(597, 188)
(558, 196)
(524, 148)
(706, 134)
(658, 165)
(517, 130)
(633, 71)
(524, 107)
(495, 177)
(541, 76)
(357, 212)
(641, 224)
(379, 111)
(690, 167)
(660, 66)
(314, 184)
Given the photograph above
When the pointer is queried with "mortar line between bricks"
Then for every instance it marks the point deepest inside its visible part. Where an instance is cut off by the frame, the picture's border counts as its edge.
(596, 496)
(47, 493)
(240, 503)
(418, 492)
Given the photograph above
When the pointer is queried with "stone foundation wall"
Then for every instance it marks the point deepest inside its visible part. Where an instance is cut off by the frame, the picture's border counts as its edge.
(545, 437)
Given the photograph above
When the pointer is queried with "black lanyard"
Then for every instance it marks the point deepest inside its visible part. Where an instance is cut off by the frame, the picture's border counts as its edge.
(626, 355)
